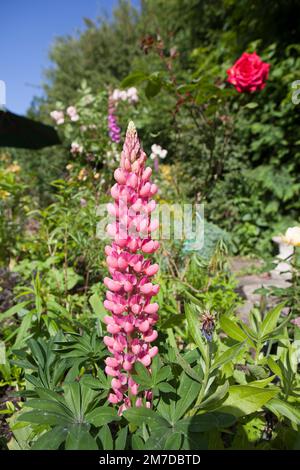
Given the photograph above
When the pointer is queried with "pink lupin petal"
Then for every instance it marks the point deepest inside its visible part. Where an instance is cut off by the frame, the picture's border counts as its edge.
(115, 191)
(151, 308)
(128, 327)
(146, 173)
(138, 267)
(152, 270)
(112, 398)
(133, 245)
(108, 250)
(111, 362)
(112, 285)
(153, 351)
(144, 326)
(145, 189)
(139, 402)
(122, 262)
(108, 341)
(146, 360)
(134, 389)
(116, 384)
(112, 262)
(107, 319)
(146, 288)
(151, 206)
(113, 329)
(132, 180)
(127, 365)
(136, 309)
(148, 247)
(155, 289)
(120, 176)
(137, 205)
(151, 336)
(153, 189)
(110, 371)
(135, 346)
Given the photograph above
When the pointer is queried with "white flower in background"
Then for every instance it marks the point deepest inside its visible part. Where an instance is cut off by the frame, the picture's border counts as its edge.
(58, 116)
(292, 236)
(158, 152)
(116, 95)
(76, 148)
(123, 95)
(72, 113)
(132, 95)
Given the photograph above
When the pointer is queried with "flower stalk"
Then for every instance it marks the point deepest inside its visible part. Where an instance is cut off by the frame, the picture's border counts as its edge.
(128, 299)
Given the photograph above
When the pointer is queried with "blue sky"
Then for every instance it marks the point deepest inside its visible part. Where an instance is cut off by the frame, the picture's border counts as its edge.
(28, 28)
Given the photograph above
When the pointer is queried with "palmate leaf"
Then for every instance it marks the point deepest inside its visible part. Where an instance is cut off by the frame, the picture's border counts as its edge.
(49, 405)
(188, 391)
(173, 441)
(139, 416)
(45, 417)
(51, 440)
(157, 377)
(158, 439)
(165, 387)
(187, 368)
(101, 416)
(72, 395)
(142, 375)
(106, 438)
(137, 442)
(79, 438)
(120, 442)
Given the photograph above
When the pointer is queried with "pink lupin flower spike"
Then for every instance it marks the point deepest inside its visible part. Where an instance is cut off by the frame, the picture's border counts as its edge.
(128, 299)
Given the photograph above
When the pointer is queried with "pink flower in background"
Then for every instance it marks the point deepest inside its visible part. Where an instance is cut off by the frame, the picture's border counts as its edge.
(128, 299)
(249, 73)
(72, 113)
(58, 117)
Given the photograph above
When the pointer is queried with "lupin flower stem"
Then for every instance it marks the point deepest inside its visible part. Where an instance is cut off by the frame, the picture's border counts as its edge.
(128, 299)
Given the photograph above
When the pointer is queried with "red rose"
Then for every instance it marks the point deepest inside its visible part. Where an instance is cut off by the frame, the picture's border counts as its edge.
(249, 73)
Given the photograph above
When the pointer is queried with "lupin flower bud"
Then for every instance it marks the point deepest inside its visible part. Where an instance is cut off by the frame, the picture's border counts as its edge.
(130, 289)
